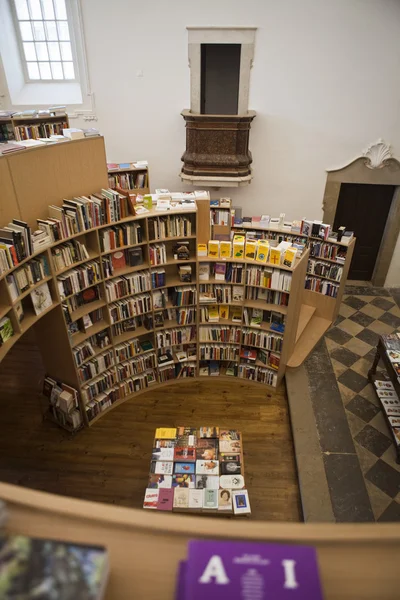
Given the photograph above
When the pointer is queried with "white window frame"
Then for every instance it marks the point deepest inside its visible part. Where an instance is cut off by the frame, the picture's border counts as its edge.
(71, 27)
(18, 94)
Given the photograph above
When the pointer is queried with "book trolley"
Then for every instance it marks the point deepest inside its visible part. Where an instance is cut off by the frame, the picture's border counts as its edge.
(151, 330)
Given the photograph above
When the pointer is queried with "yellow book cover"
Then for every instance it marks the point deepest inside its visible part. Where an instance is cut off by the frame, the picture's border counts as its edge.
(251, 246)
(213, 249)
(236, 314)
(201, 249)
(289, 257)
(224, 311)
(275, 256)
(213, 313)
(238, 246)
(225, 249)
(165, 433)
(262, 251)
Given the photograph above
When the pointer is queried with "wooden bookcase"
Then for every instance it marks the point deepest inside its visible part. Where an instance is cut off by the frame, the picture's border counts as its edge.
(32, 127)
(32, 180)
(129, 176)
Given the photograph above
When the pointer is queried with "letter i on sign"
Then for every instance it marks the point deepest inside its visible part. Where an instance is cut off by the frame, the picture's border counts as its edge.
(290, 574)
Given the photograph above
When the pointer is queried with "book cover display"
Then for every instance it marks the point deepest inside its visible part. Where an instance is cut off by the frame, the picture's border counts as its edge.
(197, 469)
(238, 570)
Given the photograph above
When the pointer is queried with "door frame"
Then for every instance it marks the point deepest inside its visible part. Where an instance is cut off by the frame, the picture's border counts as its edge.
(376, 166)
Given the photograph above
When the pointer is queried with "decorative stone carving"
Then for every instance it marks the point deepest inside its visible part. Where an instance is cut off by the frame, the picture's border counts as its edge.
(377, 155)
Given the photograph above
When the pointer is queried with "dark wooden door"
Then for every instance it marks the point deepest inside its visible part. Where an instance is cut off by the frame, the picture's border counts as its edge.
(364, 208)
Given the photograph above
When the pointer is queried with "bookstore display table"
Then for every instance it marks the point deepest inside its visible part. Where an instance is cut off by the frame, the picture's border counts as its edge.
(197, 470)
(388, 390)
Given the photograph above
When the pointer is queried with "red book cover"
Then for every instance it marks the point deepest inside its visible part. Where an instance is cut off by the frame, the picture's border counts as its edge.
(184, 454)
(165, 499)
(118, 260)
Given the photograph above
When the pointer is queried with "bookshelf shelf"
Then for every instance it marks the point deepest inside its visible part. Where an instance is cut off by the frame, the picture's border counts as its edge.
(329, 260)
(173, 282)
(96, 353)
(127, 335)
(173, 239)
(31, 288)
(126, 271)
(121, 248)
(128, 296)
(31, 318)
(86, 309)
(81, 290)
(323, 277)
(92, 255)
(148, 312)
(265, 306)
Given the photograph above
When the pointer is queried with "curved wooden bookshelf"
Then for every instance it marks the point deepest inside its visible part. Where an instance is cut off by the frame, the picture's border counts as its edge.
(365, 555)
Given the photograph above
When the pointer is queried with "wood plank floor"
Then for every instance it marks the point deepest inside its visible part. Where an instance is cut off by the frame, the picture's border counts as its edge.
(110, 461)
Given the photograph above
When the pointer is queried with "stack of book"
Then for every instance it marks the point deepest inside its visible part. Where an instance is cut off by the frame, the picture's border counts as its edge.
(197, 470)
(63, 403)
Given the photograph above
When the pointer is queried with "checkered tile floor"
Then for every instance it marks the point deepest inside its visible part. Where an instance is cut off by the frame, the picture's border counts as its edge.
(364, 314)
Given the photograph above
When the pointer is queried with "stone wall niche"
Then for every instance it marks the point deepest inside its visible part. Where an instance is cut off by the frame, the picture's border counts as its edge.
(217, 145)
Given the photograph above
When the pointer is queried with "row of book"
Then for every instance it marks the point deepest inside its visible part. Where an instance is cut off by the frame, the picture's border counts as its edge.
(131, 348)
(245, 248)
(220, 334)
(179, 296)
(137, 383)
(102, 401)
(130, 257)
(316, 267)
(87, 349)
(15, 244)
(220, 216)
(229, 272)
(220, 294)
(214, 368)
(260, 374)
(78, 279)
(130, 307)
(86, 296)
(84, 213)
(132, 324)
(255, 317)
(267, 295)
(262, 339)
(69, 253)
(106, 380)
(137, 365)
(29, 274)
(129, 180)
(267, 278)
(95, 366)
(218, 352)
(130, 284)
(183, 316)
(172, 337)
(41, 130)
(216, 312)
(172, 226)
(114, 237)
(329, 251)
(322, 286)
(84, 322)
(157, 254)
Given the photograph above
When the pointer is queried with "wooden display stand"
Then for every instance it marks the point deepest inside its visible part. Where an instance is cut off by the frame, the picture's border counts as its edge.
(355, 560)
(131, 170)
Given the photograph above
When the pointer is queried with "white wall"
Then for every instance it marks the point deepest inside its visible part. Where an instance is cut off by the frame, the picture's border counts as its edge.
(325, 84)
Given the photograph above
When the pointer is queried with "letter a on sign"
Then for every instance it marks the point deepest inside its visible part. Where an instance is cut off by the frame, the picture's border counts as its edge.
(214, 570)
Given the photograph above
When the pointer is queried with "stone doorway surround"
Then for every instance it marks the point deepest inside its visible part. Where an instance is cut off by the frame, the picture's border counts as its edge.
(375, 166)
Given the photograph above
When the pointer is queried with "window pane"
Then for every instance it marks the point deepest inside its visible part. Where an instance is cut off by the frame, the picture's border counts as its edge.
(26, 31)
(69, 72)
(63, 31)
(38, 30)
(66, 52)
(36, 12)
(47, 6)
(54, 51)
(22, 9)
(29, 50)
(57, 71)
(33, 70)
(45, 72)
(61, 12)
(51, 30)
(41, 51)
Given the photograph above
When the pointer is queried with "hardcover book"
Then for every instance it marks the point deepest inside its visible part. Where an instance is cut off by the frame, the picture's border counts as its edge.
(225, 500)
(161, 467)
(231, 468)
(162, 454)
(181, 498)
(207, 482)
(209, 452)
(230, 446)
(151, 498)
(159, 481)
(231, 482)
(186, 436)
(213, 249)
(229, 435)
(241, 504)
(230, 569)
(41, 298)
(40, 568)
(207, 467)
(184, 467)
(118, 260)
(184, 454)
(165, 499)
(220, 271)
(210, 499)
(195, 499)
(165, 433)
(184, 480)
(225, 249)
(208, 432)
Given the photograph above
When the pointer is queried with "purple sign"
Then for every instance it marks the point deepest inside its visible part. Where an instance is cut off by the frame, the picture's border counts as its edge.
(248, 571)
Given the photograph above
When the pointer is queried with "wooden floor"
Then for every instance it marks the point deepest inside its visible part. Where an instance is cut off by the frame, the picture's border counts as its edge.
(110, 461)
